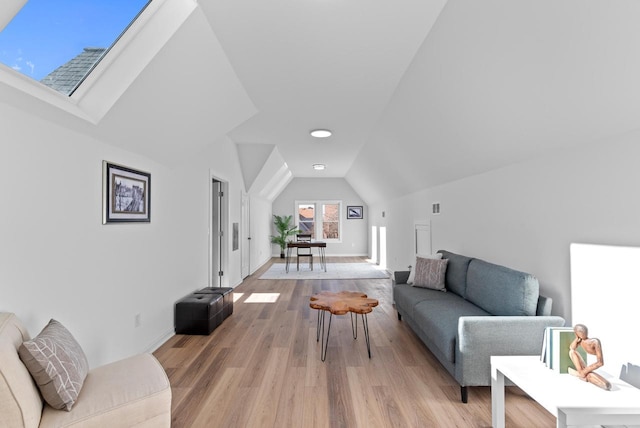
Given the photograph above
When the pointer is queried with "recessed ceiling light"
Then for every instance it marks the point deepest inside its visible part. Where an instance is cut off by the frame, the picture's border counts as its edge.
(321, 133)
(319, 166)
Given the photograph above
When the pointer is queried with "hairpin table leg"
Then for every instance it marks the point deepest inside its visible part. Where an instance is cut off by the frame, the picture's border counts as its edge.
(365, 327)
(325, 342)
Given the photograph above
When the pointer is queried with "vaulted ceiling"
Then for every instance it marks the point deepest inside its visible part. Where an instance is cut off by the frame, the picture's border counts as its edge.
(420, 93)
(417, 93)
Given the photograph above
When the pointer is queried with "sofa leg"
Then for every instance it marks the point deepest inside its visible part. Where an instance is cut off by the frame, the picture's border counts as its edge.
(399, 317)
(463, 394)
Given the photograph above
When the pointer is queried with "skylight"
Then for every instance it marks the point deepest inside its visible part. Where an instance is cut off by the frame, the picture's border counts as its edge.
(58, 43)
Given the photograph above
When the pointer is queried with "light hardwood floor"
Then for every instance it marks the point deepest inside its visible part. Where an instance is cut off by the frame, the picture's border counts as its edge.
(262, 368)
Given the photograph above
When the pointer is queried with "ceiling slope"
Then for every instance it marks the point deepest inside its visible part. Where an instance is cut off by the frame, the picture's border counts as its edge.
(252, 158)
(186, 98)
(497, 82)
(317, 64)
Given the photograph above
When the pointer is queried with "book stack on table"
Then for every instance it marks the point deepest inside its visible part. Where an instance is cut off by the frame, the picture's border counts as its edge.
(555, 348)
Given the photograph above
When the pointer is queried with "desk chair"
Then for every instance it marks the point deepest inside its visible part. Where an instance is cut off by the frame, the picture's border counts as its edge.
(304, 251)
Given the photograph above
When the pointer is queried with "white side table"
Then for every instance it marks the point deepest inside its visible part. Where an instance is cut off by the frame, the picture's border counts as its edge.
(572, 401)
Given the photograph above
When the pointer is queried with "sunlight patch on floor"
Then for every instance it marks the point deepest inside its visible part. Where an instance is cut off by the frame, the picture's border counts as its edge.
(375, 264)
(262, 298)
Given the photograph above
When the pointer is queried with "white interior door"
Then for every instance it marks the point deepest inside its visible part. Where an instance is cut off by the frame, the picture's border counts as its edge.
(423, 238)
(245, 237)
(219, 244)
(216, 238)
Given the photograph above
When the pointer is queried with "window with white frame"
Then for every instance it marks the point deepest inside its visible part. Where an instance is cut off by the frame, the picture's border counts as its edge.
(58, 43)
(320, 218)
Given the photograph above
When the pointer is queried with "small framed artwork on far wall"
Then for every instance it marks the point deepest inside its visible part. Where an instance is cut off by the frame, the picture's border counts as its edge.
(354, 212)
(126, 194)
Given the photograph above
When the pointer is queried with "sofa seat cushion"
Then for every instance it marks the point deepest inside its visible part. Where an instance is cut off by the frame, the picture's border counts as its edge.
(500, 290)
(130, 392)
(438, 320)
(407, 296)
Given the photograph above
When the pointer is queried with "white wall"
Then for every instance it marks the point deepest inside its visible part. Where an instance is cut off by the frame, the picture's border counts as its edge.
(57, 260)
(261, 222)
(527, 215)
(354, 232)
(191, 182)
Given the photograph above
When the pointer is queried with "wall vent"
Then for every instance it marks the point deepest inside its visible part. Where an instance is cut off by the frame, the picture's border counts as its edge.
(435, 208)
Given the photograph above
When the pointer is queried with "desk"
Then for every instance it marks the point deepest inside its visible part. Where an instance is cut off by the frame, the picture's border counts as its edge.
(572, 401)
(313, 244)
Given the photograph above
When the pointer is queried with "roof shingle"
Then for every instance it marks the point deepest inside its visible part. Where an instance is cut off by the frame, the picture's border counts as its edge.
(66, 78)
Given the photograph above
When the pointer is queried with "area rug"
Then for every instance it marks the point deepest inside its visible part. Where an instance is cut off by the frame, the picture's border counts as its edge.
(334, 271)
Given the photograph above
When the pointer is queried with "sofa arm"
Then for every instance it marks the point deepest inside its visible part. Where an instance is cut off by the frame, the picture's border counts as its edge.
(479, 337)
(401, 276)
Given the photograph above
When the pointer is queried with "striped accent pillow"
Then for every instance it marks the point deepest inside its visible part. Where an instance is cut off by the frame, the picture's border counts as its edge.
(412, 273)
(57, 363)
(430, 273)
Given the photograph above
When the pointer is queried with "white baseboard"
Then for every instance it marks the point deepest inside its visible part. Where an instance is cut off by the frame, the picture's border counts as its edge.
(159, 341)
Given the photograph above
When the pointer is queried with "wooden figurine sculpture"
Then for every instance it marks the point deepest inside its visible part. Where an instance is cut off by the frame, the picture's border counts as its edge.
(592, 347)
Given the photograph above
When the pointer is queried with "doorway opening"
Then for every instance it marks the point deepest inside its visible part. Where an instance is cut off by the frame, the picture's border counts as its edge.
(382, 261)
(218, 246)
(245, 236)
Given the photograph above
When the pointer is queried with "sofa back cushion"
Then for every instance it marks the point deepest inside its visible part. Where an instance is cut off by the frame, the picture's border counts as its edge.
(20, 401)
(456, 276)
(500, 290)
(544, 306)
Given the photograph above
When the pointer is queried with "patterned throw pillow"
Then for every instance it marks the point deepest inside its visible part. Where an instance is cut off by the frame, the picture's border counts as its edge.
(430, 273)
(412, 273)
(57, 364)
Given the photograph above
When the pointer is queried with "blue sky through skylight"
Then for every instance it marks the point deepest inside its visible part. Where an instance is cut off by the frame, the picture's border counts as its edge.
(46, 34)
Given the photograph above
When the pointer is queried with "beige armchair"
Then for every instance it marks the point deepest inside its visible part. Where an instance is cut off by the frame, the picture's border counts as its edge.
(127, 393)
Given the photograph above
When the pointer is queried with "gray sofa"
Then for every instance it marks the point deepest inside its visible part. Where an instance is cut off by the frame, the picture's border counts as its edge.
(486, 310)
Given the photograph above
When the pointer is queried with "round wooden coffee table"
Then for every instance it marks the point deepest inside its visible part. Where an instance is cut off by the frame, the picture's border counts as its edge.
(341, 303)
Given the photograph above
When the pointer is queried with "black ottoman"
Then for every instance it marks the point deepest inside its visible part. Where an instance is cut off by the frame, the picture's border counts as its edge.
(227, 297)
(198, 313)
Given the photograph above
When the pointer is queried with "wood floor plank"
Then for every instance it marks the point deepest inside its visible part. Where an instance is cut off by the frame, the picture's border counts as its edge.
(238, 414)
(316, 408)
(216, 399)
(262, 368)
(316, 369)
(264, 410)
(367, 409)
(290, 406)
(395, 413)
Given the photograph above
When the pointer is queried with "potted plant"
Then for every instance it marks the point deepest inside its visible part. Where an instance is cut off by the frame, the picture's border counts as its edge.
(284, 229)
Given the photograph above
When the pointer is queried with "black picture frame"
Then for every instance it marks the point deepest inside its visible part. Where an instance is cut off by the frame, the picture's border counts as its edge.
(354, 212)
(126, 194)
